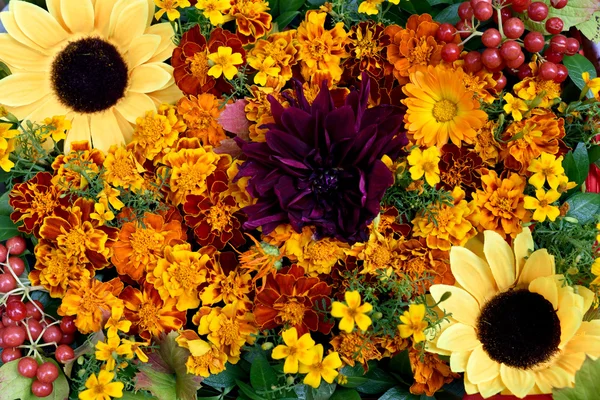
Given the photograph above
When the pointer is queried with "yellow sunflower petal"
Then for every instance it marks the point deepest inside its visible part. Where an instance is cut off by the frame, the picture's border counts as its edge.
(539, 263)
(23, 89)
(78, 15)
(148, 78)
(103, 10)
(491, 387)
(458, 337)
(518, 381)
(480, 367)
(462, 305)
(553, 377)
(38, 24)
(104, 130)
(13, 29)
(126, 22)
(459, 360)
(570, 321)
(80, 130)
(588, 296)
(166, 46)
(134, 105)
(546, 286)
(523, 246)
(50, 108)
(21, 56)
(142, 49)
(500, 257)
(473, 274)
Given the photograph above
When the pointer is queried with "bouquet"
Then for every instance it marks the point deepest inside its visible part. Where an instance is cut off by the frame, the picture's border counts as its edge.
(299, 199)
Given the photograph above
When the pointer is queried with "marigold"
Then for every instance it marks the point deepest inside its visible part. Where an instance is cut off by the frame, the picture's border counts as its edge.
(425, 163)
(514, 106)
(102, 387)
(378, 254)
(460, 166)
(7, 146)
(315, 256)
(369, 7)
(295, 350)
(109, 350)
(281, 48)
(226, 283)
(500, 203)
(258, 110)
(531, 88)
(418, 260)
(356, 347)
(440, 108)
(67, 167)
(429, 371)
(88, 299)
(320, 368)
(413, 323)
(149, 314)
(116, 322)
(264, 68)
(214, 10)
(206, 359)
(546, 168)
(252, 19)
(529, 138)
(486, 145)
(320, 50)
(122, 169)
(352, 312)
(367, 51)
(155, 132)
(542, 205)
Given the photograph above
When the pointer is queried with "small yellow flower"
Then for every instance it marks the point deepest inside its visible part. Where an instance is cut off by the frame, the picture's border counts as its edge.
(116, 322)
(396, 2)
(102, 214)
(214, 10)
(543, 205)
(224, 62)
(320, 368)
(106, 351)
(515, 106)
(546, 167)
(592, 84)
(7, 146)
(170, 7)
(102, 387)
(596, 272)
(136, 348)
(59, 127)
(563, 184)
(598, 237)
(295, 350)
(413, 323)
(265, 68)
(370, 7)
(352, 312)
(110, 195)
(425, 163)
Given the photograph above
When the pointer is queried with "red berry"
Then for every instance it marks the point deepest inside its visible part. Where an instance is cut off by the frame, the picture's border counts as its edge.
(16, 245)
(554, 25)
(33, 311)
(64, 353)
(537, 11)
(562, 73)
(475, 2)
(520, 5)
(500, 83)
(465, 11)
(7, 283)
(3, 253)
(47, 372)
(491, 38)
(505, 14)
(52, 334)
(16, 310)
(510, 50)
(450, 52)
(491, 58)
(558, 44)
(473, 62)
(68, 338)
(27, 367)
(67, 325)
(553, 56)
(465, 28)
(14, 336)
(41, 389)
(35, 328)
(558, 4)
(572, 46)
(445, 33)
(514, 28)
(483, 11)
(7, 321)
(17, 265)
(534, 42)
(2, 337)
(10, 354)
(517, 62)
(13, 297)
(548, 71)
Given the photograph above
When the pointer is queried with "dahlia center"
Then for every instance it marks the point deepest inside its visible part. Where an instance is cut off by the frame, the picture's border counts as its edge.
(89, 75)
(519, 328)
(444, 110)
(325, 182)
(292, 313)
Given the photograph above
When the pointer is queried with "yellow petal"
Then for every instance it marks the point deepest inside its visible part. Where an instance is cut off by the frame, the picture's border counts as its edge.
(462, 305)
(291, 364)
(53, 7)
(329, 375)
(78, 15)
(518, 381)
(135, 105)
(491, 387)
(38, 24)
(546, 286)
(312, 379)
(102, 12)
(142, 49)
(51, 107)
(104, 130)
(459, 360)
(481, 368)
(148, 78)
(114, 389)
(552, 377)
(473, 274)
(80, 130)
(290, 336)
(229, 71)
(338, 310)
(23, 88)
(362, 321)
(588, 296)
(570, 321)
(280, 352)
(23, 57)
(352, 299)
(13, 29)
(500, 257)
(347, 324)
(125, 126)
(166, 46)
(523, 246)
(198, 347)
(539, 263)
(305, 341)
(458, 337)
(128, 21)
(169, 95)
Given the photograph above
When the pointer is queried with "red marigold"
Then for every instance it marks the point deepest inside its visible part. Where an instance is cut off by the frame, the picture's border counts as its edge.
(252, 19)
(34, 200)
(214, 217)
(191, 64)
(367, 50)
(460, 166)
(291, 299)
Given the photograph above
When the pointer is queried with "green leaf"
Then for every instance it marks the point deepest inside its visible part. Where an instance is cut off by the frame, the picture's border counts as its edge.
(594, 153)
(160, 384)
(345, 394)
(274, 6)
(137, 396)
(378, 381)
(398, 393)
(448, 14)
(317, 2)
(400, 364)
(577, 164)
(584, 207)
(577, 65)
(354, 375)
(262, 376)
(290, 5)
(587, 383)
(323, 392)
(5, 208)
(285, 19)
(436, 2)
(590, 29)
(422, 7)
(4, 70)
(8, 228)
(226, 378)
(574, 13)
(248, 391)
(13, 386)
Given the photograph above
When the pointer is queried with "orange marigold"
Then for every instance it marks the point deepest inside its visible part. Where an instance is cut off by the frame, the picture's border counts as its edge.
(227, 282)
(258, 110)
(367, 51)
(418, 260)
(89, 300)
(121, 169)
(141, 243)
(201, 114)
(281, 48)
(156, 132)
(252, 19)
(527, 139)
(149, 314)
(356, 347)
(531, 87)
(429, 371)
(67, 167)
(501, 203)
(205, 359)
(315, 256)
(486, 145)
(378, 254)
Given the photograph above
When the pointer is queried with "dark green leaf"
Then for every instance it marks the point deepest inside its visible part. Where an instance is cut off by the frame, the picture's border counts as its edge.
(436, 2)
(400, 364)
(7, 228)
(587, 383)
(284, 19)
(422, 7)
(286, 6)
(577, 65)
(398, 393)
(577, 164)
(317, 2)
(323, 392)
(262, 376)
(248, 391)
(584, 207)
(137, 396)
(594, 154)
(226, 378)
(274, 6)
(378, 381)
(355, 375)
(448, 14)
(345, 394)
(4, 71)
(5, 208)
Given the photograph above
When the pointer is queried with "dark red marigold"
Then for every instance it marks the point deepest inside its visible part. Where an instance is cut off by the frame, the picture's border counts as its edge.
(291, 299)
(321, 165)
(366, 46)
(460, 167)
(190, 61)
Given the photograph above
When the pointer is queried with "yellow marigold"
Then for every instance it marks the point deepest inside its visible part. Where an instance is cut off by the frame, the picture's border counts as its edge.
(481, 83)
(351, 312)
(229, 328)
(315, 256)
(282, 48)
(206, 359)
(425, 163)
(546, 168)
(529, 138)
(122, 169)
(265, 68)
(59, 126)
(68, 167)
(237, 189)
(170, 8)
(542, 205)
(592, 84)
(224, 63)
(258, 110)
(501, 203)
(514, 106)
(486, 145)
(370, 7)
(155, 132)
(532, 87)
(110, 195)
(7, 146)
(225, 287)
(179, 274)
(440, 108)
(116, 322)
(111, 348)
(320, 368)
(102, 387)
(201, 114)
(88, 299)
(102, 214)
(413, 323)
(321, 50)
(379, 253)
(451, 224)
(295, 350)
(356, 347)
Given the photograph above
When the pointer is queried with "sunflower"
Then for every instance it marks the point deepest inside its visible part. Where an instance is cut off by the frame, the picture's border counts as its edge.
(100, 63)
(440, 107)
(516, 327)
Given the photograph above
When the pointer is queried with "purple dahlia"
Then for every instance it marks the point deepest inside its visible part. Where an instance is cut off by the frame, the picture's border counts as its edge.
(321, 165)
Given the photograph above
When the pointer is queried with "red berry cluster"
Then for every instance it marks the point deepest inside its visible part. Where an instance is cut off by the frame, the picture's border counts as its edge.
(504, 42)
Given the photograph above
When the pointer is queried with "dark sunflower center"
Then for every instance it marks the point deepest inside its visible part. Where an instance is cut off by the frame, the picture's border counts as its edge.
(89, 75)
(519, 328)
(325, 181)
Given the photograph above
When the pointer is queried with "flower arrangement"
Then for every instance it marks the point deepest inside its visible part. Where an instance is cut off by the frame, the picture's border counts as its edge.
(291, 199)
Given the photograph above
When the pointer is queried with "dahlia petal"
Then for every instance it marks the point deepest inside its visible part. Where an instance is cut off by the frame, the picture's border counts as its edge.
(134, 105)
(126, 21)
(570, 321)
(462, 305)
(142, 49)
(458, 337)
(500, 258)
(473, 274)
(518, 381)
(480, 367)
(546, 286)
(148, 78)
(23, 88)
(104, 130)
(286, 144)
(21, 56)
(539, 263)
(78, 15)
(523, 246)
(80, 130)
(38, 24)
